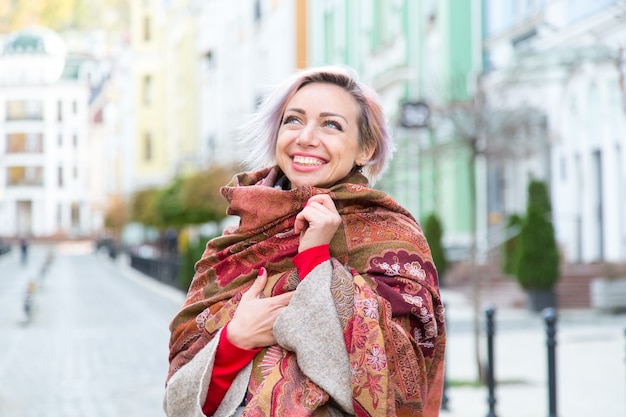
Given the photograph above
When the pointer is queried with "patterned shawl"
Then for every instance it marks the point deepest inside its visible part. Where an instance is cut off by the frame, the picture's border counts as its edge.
(394, 333)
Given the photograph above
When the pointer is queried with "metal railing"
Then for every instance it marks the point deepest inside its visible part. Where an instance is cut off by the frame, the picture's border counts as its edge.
(4, 248)
(164, 270)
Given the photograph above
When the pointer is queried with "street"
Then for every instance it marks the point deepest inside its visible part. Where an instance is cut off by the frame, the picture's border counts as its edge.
(96, 346)
(590, 363)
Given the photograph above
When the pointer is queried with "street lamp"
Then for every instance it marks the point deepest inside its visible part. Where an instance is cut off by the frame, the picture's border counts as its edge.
(415, 119)
(415, 114)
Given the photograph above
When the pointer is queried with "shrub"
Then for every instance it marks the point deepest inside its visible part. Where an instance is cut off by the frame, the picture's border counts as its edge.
(538, 256)
(509, 247)
(191, 254)
(434, 233)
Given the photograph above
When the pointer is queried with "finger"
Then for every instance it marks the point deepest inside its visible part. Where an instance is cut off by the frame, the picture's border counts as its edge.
(283, 299)
(301, 223)
(258, 284)
(310, 211)
(324, 200)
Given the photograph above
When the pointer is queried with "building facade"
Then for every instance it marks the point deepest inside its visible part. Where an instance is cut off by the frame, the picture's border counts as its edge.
(164, 93)
(567, 58)
(424, 54)
(556, 57)
(44, 149)
(245, 48)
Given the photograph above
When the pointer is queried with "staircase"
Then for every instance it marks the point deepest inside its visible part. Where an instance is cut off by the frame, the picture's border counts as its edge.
(573, 289)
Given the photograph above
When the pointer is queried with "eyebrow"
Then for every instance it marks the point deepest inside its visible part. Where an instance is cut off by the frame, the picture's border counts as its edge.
(323, 114)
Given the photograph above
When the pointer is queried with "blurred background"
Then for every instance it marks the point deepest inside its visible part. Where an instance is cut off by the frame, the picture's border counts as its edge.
(119, 119)
(118, 125)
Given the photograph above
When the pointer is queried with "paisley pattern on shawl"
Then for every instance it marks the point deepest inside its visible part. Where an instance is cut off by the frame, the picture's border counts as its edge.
(390, 310)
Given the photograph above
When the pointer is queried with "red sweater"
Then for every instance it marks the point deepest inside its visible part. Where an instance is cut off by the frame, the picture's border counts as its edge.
(230, 359)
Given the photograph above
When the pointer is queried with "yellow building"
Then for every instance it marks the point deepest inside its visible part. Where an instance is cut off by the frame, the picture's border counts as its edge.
(164, 94)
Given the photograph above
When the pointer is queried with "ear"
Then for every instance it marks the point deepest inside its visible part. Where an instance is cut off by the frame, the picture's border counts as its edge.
(364, 156)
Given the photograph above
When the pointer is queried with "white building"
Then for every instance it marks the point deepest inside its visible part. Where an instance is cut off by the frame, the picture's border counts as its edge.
(246, 47)
(44, 152)
(567, 57)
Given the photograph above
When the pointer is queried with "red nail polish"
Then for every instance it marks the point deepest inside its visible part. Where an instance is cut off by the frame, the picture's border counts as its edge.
(261, 271)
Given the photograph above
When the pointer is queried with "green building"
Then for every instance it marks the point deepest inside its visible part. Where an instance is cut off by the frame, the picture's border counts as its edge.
(421, 57)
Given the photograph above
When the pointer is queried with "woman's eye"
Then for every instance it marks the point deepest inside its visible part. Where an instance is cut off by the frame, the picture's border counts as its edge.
(290, 119)
(333, 124)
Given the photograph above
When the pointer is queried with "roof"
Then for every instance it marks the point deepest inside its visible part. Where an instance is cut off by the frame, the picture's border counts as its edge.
(34, 41)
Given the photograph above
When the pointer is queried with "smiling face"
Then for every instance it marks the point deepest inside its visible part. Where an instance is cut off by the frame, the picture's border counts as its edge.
(318, 140)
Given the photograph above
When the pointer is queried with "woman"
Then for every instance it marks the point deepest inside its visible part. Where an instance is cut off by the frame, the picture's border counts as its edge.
(324, 301)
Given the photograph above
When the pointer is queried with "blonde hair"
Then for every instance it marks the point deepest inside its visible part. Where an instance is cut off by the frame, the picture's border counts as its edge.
(259, 133)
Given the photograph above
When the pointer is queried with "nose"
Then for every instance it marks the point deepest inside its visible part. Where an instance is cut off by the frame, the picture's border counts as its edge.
(307, 136)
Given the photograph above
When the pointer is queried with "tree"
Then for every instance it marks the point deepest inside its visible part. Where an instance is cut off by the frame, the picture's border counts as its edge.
(200, 194)
(142, 207)
(169, 205)
(61, 15)
(509, 248)
(538, 255)
(434, 233)
(491, 133)
(115, 216)
(191, 200)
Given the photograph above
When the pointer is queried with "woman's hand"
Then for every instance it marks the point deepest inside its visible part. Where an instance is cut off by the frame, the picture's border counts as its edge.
(251, 326)
(317, 222)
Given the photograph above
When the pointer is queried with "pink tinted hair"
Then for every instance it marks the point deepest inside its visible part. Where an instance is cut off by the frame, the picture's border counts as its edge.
(258, 135)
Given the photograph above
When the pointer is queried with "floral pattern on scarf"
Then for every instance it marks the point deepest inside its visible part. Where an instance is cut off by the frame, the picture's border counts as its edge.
(389, 305)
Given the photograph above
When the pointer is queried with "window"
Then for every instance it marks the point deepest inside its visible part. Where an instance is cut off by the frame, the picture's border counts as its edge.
(59, 215)
(28, 176)
(25, 143)
(329, 35)
(60, 140)
(75, 107)
(147, 147)
(60, 177)
(209, 60)
(75, 140)
(257, 10)
(146, 29)
(24, 110)
(147, 92)
(378, 26)
(75, 215)
(59, 111)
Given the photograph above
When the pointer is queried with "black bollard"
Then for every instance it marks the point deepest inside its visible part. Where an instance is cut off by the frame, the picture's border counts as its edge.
(491, 382)
(549, 315)
(444, 395)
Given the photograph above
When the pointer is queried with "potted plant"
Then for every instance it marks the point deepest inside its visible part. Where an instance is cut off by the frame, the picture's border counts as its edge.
(608, 292)
(537, 266)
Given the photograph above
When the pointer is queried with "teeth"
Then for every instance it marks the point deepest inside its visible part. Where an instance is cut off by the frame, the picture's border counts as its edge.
(306, 160)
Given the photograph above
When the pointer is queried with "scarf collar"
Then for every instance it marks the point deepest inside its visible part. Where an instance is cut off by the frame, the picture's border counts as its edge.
(262, 199)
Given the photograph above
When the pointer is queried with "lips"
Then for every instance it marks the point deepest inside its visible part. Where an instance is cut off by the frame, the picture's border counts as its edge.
(308, 160)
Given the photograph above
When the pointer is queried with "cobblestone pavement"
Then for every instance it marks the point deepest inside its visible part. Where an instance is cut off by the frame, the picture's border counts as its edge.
(96, 345)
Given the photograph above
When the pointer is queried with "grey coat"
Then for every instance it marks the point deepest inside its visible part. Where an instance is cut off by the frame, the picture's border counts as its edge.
(308, 326)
